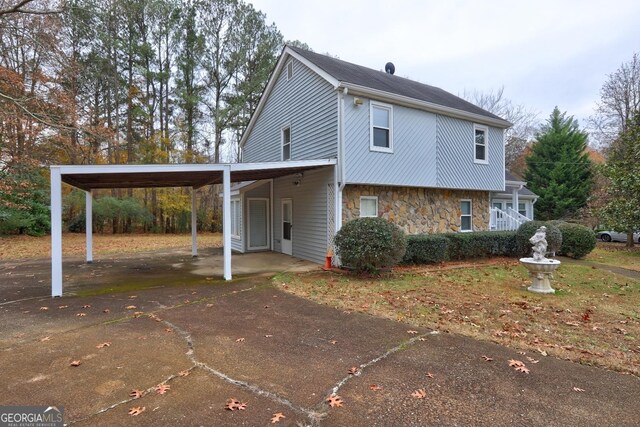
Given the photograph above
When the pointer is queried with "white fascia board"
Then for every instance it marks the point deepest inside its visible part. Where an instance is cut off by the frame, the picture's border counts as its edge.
(237, 167)
(284, 58)
(424, 105)
(82, 169)
(515, 183)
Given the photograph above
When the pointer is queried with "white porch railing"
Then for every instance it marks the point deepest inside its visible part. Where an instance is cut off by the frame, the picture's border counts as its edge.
(506, 220)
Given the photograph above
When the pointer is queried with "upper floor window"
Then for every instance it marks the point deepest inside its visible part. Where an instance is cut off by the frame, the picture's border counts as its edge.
(480, 134)
(465, 216)
(381, 116)
(289, 70)
(368, 206)
(286, 143)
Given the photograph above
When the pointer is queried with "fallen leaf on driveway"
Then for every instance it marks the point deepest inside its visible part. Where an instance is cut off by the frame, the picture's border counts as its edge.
(412, 332)
(184, 373)
(168, 330)
(76, 363)
(542, 352)
(233, 405)
(268, 336)
(518, 366)
(353, 371)
(131, 307)
(86, 306)
(104, 344)
(277, 417)
(522, 369)
(43, 339)
(532, 360)
(579, 390)
(62, 306)
(334, 342)
(335, 401)
(487, 358)
(44, 308)
(419, 394)
(137, 410)
(428, 375)
(375, 387)
(137, 393)
(209, 305)
(106, 310)
(81, 314)
(162, 388)
(240, 340)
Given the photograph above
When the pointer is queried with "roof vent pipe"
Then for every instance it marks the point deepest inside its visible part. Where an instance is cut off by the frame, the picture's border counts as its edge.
(390, 68)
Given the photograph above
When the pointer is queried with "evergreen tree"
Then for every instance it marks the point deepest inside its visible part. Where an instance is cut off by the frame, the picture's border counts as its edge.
(621, 212)
(558, 168)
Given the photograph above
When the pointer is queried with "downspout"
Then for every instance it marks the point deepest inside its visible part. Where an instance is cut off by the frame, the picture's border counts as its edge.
(341, 157)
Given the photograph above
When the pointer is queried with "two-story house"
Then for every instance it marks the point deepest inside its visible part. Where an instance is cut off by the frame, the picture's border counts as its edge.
(411, 153)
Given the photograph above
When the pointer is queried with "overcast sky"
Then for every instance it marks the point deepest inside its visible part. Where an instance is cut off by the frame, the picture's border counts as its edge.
(545, 53)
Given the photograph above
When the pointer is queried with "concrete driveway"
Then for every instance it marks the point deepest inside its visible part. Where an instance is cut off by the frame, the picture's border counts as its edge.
(211, 341)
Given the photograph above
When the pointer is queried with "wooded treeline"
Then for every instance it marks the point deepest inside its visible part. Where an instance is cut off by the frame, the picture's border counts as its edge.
(125, 81)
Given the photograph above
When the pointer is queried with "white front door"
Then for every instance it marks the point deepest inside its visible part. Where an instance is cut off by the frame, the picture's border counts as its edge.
(258, 223)
(287, 227)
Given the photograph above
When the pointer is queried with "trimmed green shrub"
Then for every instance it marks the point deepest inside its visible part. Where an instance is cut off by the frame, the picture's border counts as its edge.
(528, 229)
(370, 244)
(480, 244)
(577, 240)
(426, 249)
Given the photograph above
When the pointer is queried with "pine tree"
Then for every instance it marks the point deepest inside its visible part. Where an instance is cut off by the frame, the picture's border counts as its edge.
(558, 168)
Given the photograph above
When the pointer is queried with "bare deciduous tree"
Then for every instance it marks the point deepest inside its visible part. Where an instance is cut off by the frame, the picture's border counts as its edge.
(525, 120)
(32, 7)
(619, 100)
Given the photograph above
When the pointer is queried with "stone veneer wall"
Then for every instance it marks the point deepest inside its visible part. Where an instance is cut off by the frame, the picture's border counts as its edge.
(419, 210)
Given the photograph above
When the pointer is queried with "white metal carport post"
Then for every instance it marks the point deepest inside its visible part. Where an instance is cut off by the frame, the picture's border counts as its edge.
(194, 224)
(226, 219)
(89, 225)
(56, 232)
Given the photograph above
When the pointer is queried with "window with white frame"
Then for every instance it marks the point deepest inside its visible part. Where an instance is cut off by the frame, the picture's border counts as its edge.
(289, 70)
(522, 209)
(465, 215)
(368, 206)
(381, 116)
(286, 143)
(480, 135)
(236, 217)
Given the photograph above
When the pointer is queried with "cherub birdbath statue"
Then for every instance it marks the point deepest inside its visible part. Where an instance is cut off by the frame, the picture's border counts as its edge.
(540, 268)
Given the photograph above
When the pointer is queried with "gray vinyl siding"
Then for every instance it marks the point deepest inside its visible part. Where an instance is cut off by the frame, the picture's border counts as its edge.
(262, 192)
(455, 157)
(413, 161)
(429, 150)
(309, 203)
(308, 104)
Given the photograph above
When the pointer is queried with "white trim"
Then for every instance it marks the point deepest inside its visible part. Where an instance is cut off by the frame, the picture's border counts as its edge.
(470, 215)
(282, 144)
(234, 217)
(484, 129)
(375, 198)
(249, 200)
(389, 108)
(288, 67)
(424, 105)
(271, 213)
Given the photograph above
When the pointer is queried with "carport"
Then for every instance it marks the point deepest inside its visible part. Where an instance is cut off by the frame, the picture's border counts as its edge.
(92, 177)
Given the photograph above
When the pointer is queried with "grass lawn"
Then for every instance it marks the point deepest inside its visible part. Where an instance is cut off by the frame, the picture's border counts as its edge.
(21, 247)
(616, 254)
(594, 317)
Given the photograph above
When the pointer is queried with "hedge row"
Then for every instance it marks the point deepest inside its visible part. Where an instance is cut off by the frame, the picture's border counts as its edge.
(571, 240)
(434, 248)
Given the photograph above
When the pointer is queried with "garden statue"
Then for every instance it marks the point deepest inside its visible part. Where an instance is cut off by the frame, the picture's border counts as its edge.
(539, 242)
(540, 268)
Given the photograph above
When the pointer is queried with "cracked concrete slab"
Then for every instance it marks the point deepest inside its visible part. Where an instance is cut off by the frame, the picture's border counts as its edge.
(468, 390)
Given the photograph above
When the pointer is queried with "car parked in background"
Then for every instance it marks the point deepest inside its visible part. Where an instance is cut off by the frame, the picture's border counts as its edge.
(615, 236)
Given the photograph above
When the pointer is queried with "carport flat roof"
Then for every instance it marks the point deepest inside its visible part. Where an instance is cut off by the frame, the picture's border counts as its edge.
(188, 175)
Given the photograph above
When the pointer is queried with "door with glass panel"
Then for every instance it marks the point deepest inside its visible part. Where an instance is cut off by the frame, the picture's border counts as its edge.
(258, 223)
(287, 227)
